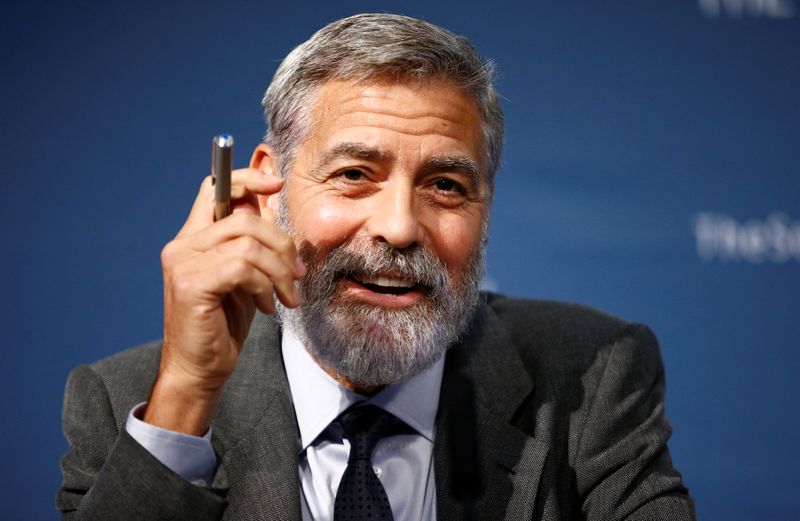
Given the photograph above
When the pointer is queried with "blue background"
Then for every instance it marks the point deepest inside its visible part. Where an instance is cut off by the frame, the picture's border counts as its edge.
(626, 120)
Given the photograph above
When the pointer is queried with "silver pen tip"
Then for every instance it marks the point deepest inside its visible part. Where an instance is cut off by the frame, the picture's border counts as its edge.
(223, 140)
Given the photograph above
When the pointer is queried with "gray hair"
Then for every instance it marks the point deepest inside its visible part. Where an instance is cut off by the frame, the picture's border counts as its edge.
(369, 46)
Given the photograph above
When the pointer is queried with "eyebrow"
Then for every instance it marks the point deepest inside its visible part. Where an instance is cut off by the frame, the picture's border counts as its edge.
(355, 150)
(459, 164)
(352, 150)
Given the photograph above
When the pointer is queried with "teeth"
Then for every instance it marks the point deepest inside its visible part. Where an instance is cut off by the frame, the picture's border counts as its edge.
(387, 282)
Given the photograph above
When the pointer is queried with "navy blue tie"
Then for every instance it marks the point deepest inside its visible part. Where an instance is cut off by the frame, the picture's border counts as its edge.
(360, 496)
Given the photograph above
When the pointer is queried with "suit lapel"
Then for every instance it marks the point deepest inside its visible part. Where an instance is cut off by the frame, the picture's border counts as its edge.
(255, 429)
(255, 433)
(511, 461)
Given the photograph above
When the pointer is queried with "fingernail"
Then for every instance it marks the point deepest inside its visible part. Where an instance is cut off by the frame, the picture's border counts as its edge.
(297, 296)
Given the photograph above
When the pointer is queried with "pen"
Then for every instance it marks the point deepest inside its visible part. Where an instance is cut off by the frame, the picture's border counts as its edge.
(221, 164)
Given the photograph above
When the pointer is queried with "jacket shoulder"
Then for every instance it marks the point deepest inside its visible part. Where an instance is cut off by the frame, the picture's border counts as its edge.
(548, 319)
(560, 341)
(140, 359)
(126, 378)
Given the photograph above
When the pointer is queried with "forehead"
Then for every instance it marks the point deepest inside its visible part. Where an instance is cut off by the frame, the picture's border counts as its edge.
(432, 115)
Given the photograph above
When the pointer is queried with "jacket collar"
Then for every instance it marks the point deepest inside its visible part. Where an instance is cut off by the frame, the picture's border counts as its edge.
(257, 439)
(255, 433)
(510, 461)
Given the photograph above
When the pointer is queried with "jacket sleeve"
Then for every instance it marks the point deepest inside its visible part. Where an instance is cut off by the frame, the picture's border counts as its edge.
(108, 476)
(623, 468)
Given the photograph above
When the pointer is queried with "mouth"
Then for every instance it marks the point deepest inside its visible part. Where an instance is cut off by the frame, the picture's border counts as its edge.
(385, 284)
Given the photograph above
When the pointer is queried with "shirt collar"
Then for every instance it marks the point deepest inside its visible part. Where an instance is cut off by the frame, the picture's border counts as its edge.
(319, 399)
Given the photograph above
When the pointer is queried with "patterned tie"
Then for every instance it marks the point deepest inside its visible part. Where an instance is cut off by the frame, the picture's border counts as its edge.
(361, 496)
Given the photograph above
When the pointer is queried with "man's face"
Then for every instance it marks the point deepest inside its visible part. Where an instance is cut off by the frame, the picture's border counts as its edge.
(387, 201)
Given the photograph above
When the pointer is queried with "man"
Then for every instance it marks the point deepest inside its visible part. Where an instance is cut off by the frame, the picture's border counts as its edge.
(365, 213)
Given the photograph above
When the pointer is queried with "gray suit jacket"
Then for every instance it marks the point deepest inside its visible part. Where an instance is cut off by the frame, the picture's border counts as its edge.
(569, 413)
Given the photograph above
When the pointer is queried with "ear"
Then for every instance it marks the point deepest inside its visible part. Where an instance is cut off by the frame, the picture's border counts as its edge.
(263, 159)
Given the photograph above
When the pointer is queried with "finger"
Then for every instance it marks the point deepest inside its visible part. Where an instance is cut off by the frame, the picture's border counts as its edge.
(265, 303)
(202, 212)
(246, 204)
(245, 225)
(239, 275)
(239, 309)
(268, 262)
(256, 181)
(211, 281)
(243, 264)
(245, 183)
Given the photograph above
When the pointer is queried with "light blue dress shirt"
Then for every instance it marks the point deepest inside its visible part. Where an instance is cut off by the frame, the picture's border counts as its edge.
(402, 461)
(191, 457)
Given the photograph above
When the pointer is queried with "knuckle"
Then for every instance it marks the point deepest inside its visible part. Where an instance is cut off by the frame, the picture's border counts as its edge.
(238, 269)
(180, 284)
(168, 254)
(244, 218)
(249, 245)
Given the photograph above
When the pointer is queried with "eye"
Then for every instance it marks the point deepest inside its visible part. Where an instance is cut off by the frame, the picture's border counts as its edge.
(352, 174)
(448, 185)
(353, 181)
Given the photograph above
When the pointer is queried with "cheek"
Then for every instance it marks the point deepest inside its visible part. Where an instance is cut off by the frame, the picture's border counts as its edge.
(326, 223)
(456, 242)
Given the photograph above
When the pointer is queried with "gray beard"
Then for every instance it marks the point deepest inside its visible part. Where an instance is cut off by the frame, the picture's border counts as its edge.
(371, 345)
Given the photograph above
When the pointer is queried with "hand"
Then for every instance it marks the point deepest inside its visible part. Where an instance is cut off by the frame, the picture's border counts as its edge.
(215, 275)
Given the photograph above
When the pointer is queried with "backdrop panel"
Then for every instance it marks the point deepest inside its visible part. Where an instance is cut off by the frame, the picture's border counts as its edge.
(651, 170)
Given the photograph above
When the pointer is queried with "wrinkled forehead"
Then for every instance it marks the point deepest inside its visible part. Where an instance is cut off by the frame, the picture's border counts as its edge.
(432, 110)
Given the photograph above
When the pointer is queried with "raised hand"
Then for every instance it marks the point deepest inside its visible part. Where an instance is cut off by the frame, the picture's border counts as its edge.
(215, 275)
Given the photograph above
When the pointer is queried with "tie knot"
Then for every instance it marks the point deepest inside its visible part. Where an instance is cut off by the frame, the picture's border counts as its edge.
(364, 426)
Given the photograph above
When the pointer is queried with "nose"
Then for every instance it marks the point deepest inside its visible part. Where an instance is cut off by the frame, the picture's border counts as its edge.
(394, 218)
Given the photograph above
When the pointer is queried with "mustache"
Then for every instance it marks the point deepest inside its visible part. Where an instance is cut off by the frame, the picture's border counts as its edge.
(370, 259)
